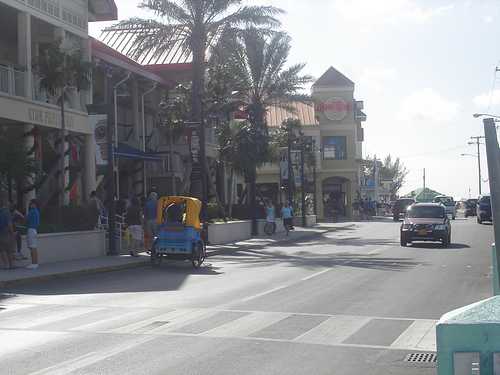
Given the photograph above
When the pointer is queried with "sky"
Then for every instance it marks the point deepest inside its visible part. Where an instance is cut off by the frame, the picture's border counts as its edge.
(422, 67)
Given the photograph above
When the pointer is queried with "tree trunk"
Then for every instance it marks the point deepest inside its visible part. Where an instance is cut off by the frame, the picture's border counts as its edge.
(253, 201)
(231, 193)
(9, 186)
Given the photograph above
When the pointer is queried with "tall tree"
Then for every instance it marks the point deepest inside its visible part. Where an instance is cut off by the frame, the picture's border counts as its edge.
(60, 70)
(194, 25)
(394, 169)
(260, 60)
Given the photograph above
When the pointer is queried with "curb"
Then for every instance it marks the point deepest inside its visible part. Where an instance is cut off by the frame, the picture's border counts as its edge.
(88, 271)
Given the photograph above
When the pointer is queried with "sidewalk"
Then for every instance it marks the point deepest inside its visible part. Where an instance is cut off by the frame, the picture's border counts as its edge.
(114, 263)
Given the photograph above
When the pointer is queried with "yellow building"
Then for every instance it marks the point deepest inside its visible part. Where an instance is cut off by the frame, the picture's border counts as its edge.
(333, 121)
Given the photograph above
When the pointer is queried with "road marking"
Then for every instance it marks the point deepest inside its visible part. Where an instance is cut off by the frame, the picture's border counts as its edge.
(89, 359)
(51, 317)
(316, 274)
(414, 334)
(246, 325)
(14, 341)
(103, 325)
(334, 330)
(428, 342)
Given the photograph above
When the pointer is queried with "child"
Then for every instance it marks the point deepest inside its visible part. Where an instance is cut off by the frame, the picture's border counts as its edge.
(33, 222)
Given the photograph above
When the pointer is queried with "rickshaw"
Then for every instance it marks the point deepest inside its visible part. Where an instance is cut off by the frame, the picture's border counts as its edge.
(179, 231)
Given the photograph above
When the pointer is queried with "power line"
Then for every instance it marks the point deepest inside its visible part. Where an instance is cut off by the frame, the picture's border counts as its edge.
(432, 152)
(493, 85)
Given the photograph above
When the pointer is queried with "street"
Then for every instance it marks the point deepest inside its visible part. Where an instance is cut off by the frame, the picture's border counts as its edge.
(350, 301)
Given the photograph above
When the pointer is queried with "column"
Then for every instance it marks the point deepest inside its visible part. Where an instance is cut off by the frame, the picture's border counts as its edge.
(319, 189)
(89, 167)
(29, 145)
(24, 50)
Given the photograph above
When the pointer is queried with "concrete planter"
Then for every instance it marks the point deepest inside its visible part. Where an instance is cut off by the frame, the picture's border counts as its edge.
(279, 227)
(311, 220)
(233, 231)
(60, 247)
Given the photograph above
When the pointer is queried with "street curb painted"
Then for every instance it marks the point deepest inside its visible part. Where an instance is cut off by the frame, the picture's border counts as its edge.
(62, 275)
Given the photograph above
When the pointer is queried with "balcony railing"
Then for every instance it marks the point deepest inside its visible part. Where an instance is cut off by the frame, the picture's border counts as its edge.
(12, 81)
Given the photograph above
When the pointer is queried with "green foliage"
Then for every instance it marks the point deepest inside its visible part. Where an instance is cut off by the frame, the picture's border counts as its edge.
(58, 68)
(394, 169)
(15, 163)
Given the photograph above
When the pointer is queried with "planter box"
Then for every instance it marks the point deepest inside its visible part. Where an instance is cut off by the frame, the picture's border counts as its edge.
(233, 231)
(311, 221)
(279, 227)
(59, 247)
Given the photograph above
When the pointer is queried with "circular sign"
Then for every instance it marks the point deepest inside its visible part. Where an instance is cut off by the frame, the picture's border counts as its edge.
(335, 109)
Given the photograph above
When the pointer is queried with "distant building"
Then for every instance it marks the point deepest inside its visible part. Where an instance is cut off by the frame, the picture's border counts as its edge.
(334, 122)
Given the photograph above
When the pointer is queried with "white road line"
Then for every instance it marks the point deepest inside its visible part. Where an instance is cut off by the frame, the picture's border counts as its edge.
(414, 334)
(333, 330)
(316, 274)
(89, 359)
(246, 325)
(13, 341)
(50, 317)
(428, 342)
(102, 325)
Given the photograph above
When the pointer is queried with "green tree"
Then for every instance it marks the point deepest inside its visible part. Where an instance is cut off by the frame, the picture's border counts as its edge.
(194, 25)
(394, 170)
(16, 165)
(60, 70)
(259, 59)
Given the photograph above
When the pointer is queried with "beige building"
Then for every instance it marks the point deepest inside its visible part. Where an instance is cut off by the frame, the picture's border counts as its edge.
(27, 27)
(333, 121)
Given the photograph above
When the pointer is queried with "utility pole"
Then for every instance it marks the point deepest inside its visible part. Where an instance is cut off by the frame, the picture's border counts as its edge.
(477, 141)
(110, 172)
(302, 181)
(290, 167)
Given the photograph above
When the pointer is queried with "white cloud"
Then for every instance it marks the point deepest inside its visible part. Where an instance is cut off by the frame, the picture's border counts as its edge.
(486, 100)
(377, 79)
(488, 19)
(427, 108)
(369, 13)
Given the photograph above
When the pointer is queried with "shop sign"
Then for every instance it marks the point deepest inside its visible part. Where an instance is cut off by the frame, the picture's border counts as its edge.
(335, 109)
(99, 126)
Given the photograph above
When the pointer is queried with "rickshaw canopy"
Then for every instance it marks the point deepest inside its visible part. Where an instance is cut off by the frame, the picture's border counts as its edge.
(193, 209)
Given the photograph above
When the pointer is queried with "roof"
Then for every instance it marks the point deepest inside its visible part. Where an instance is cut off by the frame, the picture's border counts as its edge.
(103, 10)
(304, 112)
(106, 53)
(333, 78)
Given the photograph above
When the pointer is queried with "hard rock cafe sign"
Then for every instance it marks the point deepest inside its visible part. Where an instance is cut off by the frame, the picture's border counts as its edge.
(335, 109)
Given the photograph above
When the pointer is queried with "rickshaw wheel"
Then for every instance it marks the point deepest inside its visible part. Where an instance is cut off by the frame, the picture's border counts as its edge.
(198, 254)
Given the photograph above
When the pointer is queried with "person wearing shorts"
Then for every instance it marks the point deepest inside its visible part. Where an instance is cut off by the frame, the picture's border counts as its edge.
(33, 222)
(134, 225)
(287, 215)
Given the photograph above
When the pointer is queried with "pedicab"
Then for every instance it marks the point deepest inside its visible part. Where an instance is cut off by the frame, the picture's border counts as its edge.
(179, 231)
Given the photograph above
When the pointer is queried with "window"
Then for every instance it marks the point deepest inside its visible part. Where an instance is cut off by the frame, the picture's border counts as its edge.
(334, 148)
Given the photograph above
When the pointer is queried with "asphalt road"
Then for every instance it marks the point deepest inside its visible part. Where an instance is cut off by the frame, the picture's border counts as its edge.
(350, 301)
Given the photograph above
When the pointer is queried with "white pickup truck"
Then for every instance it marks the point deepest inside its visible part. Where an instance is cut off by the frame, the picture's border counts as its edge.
(448, 203)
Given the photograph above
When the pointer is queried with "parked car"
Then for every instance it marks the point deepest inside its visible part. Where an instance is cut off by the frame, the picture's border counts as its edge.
(400, 206)
(426, 222)
(483, 209)
(470, 207)
(448, 203)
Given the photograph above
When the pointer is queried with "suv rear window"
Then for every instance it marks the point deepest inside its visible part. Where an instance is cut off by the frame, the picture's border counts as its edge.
(485, 199)
(426, 212)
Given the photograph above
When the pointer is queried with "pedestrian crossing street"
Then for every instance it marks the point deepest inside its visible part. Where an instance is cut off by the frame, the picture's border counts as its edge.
(315, 329)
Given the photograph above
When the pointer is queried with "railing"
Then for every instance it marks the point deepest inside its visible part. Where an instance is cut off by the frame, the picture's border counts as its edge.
(12, 81)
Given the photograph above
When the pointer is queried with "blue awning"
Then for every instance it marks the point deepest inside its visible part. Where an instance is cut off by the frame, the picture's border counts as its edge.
(125, 151)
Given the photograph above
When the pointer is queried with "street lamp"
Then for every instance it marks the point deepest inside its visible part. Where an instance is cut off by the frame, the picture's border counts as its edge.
(478, 115)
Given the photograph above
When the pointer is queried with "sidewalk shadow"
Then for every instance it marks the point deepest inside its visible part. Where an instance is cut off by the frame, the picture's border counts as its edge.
(437, 246)
(169, 276)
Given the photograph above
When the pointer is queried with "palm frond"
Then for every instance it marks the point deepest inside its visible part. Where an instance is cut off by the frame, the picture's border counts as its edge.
(168, 9)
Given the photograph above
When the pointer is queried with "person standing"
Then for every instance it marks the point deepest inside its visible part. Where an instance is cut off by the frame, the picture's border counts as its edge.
(96, 209)
(17, 219)
(6, 234)
(271, 217)
(287, 215)
(134, 225)
(150, 217)
(33, 222)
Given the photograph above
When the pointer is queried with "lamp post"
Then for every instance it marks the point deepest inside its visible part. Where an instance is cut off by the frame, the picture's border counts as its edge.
(478, 156)
(165, 108)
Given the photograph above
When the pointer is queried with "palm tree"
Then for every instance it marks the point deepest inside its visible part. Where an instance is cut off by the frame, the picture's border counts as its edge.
(58, 71)
(195, 26)
(263, 80)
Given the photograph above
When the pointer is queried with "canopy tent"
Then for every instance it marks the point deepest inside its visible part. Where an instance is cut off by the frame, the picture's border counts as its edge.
(423, 195)
(125, 151)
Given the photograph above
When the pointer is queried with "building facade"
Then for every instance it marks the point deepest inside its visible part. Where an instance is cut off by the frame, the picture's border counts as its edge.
(334, 122)
(27, 28)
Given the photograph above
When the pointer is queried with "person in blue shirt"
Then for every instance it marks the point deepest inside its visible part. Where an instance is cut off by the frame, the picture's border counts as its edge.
(32, 223)
(287, 215)
(271, 216)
